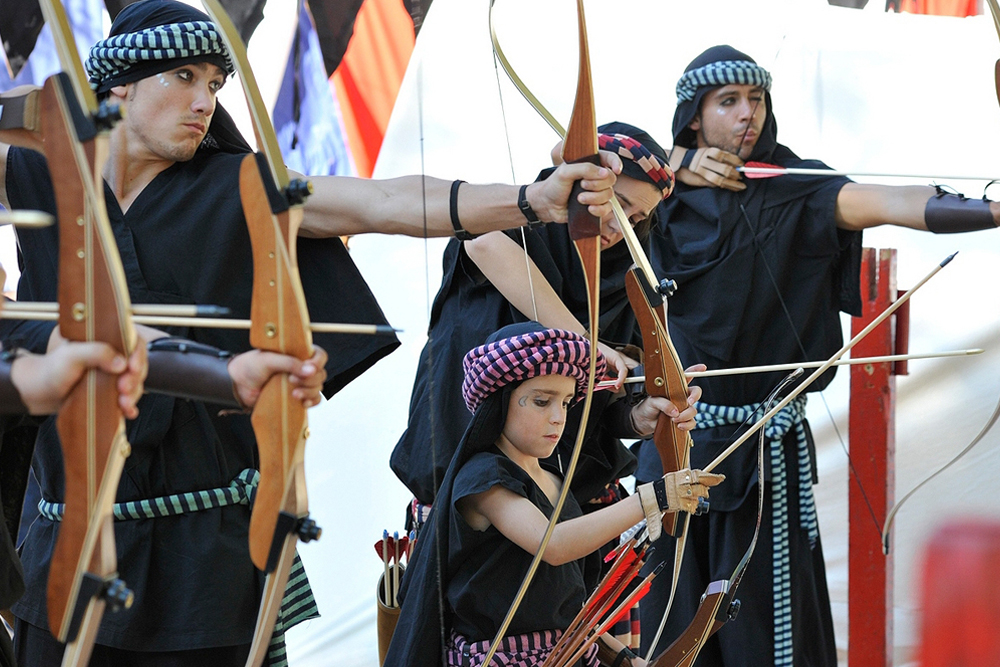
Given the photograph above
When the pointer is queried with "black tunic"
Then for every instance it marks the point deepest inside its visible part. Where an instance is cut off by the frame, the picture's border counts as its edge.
(12, 476)
(184, 240)
(487, 568)
(448, 550)
(467, 309)
(732, 254)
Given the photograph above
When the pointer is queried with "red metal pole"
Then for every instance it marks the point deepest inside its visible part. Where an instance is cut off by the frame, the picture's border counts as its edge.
(872, 487)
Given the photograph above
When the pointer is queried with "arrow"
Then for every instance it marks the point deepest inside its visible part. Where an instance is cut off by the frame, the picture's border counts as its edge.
(767, 170)
(888, 358)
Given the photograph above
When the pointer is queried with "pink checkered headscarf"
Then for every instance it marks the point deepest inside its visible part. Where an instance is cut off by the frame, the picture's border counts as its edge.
(547, 352)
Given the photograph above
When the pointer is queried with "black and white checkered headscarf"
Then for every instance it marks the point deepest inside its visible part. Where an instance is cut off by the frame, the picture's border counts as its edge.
(154, 36)
(715, 67)
(723, 73)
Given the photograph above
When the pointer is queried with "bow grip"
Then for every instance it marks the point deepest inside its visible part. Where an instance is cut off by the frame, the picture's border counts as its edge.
(582, 224)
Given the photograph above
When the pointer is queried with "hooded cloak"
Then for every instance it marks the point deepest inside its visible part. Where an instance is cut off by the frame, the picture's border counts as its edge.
(468, 308)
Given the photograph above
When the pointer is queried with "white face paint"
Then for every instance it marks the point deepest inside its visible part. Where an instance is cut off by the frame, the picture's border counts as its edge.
(162, 80)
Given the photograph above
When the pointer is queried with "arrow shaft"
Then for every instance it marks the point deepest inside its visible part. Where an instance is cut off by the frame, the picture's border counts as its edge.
(12, 312)
(888, 358)
(798, 171)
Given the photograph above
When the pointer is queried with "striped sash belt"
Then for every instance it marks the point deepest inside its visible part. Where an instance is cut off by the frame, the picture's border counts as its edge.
(528, 650)
(790, 417)
(297, 604)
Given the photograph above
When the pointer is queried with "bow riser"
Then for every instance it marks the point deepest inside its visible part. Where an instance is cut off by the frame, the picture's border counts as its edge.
(93, 307)
(664, 378)
(710, 617)
(580, 145)
(20, 121)
(280, 324)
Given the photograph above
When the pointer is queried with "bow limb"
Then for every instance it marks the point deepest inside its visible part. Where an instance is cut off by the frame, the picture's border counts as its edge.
(634, 246)
(995, 13)
(580, 145)
(717, 605)
(890, 517)
(93, 306)
(279, 322)
(665, 379)
(887, 529)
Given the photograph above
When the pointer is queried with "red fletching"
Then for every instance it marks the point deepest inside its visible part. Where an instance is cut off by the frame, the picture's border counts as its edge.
(761, 165)
(626, 606)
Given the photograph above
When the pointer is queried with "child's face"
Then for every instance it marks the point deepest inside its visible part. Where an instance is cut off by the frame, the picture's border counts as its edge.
(536, 414)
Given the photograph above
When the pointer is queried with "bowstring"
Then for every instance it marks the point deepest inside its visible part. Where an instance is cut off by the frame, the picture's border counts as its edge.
(513, 179)
(791, 323)
(429, 365)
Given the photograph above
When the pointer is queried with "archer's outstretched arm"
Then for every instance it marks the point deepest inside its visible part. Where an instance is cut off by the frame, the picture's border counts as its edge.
(915, 206)
(343, 206)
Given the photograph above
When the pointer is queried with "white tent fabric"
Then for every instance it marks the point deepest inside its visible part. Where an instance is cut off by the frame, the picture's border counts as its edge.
(861, 90)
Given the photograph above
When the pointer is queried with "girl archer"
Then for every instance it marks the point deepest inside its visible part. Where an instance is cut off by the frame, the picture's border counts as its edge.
(493, 507)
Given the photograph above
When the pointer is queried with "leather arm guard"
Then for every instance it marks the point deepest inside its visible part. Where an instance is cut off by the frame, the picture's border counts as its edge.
(951, 213)
(10, 397)
(184, 369)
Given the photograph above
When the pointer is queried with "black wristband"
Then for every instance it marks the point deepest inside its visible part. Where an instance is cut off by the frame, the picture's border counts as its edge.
(688, 158)
(660, 489)
(623, 655)
(529, 213)
(460, 233)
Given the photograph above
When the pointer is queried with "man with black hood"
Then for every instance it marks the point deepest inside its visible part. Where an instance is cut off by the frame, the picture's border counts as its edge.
(172, 193)
(763, 270)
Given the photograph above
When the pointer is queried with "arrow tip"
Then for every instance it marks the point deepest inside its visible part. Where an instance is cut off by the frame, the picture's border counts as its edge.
(949, 258)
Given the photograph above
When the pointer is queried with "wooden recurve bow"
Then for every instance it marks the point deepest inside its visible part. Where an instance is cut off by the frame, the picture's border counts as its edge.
(279, 323)
(580, 145)
(93, 306)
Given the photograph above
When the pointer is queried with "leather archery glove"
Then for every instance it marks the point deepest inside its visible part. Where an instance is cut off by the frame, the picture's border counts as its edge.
(707, 167)
(683, 488)
(674, 492)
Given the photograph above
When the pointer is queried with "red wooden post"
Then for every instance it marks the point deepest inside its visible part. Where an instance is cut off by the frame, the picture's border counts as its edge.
(872, 443)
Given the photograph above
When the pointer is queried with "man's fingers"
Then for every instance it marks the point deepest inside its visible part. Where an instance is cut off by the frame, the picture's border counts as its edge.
(611, 160)
(319, 358)
(720, 155)
(735, 186)
(95, 355)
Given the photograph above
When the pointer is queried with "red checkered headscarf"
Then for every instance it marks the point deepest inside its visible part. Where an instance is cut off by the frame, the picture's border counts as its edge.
(494, 365)
(654, 168)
